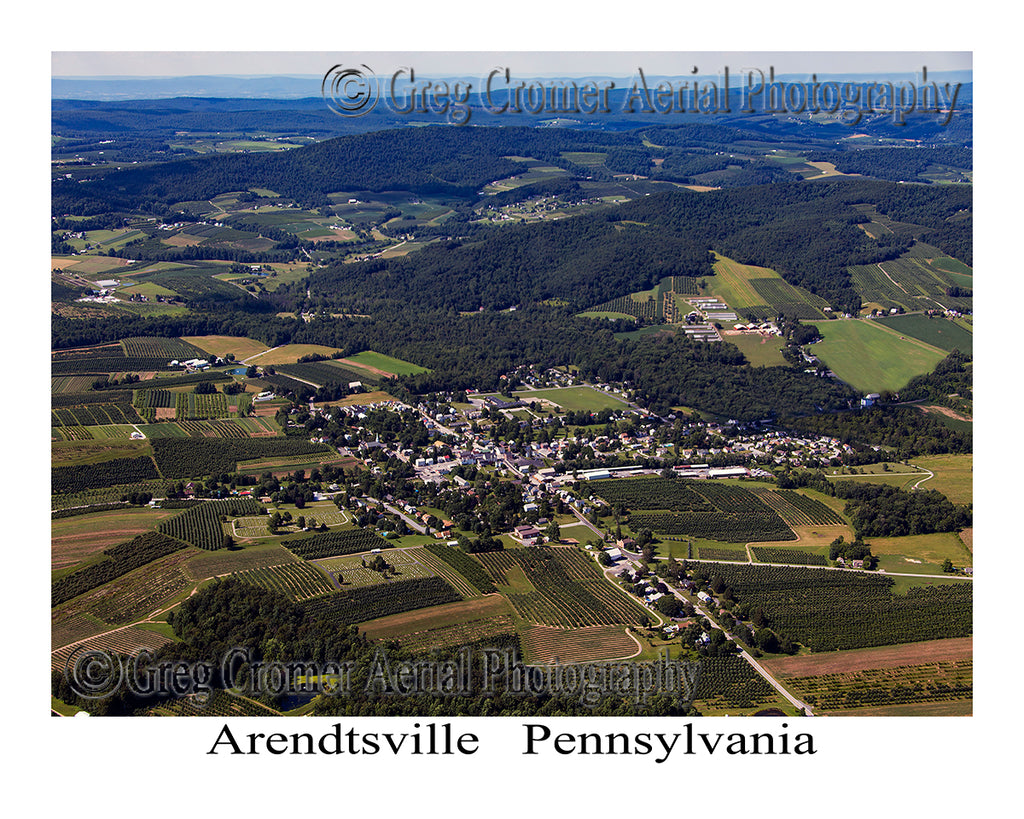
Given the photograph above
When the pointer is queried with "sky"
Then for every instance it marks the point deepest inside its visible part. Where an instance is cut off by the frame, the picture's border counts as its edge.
(556, 63)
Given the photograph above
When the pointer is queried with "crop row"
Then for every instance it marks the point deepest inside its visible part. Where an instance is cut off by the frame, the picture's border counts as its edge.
(796, 557)
(464, 565)
(722, 526)
(333, 544)
(118, 560)
(80, 399)
(299, 581)
(833, 610)
(153, 398)
(191, 405)
(158, 347)
(650, 309)
(106, 473)
(730, 682)
(200, 525)
(323, 373)
(370, 602)
(196, 458)
(94, 415)
(562, 595)
(653, 493)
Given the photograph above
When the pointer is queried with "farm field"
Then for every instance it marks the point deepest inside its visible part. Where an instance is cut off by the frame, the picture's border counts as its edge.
(560, 587)
(241, 347)
(573, 398)
(915, 281)
(938, 671)
(699, 509)
(871, 359)
(761, 351)
(760, 292)
(451, 624)
(920, 553)
(75, 539)
(546, 645)
(287, 354)
(379, 363)
(826, 610)
(938, 331)
(954, 475)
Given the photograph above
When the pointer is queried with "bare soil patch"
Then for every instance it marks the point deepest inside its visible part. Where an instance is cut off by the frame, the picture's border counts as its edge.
(842, 662)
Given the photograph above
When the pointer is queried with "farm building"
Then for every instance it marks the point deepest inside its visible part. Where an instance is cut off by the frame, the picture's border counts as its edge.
(729, 472)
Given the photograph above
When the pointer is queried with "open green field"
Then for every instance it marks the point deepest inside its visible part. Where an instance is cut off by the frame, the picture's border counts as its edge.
(761, 351)
(937, 331)
(379, 361)
(954, 476)
(574, 398)
(871, 358)
(920, 553)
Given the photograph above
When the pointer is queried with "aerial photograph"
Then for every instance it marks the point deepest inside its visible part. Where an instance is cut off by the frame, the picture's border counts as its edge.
(471, 384)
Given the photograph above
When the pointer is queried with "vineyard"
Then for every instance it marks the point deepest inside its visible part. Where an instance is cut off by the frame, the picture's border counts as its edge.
(104, 495)
(120, 560)
(833, 610)
(79, 399)
(298, 581)
(796, 557)
(107, 473)
(568, 590)
(142, 592)
(932, 682)
(94, 415)
(370, 602)
(195, 458)
(201, 526)
(653, 493)
(466, 566)
(147, 402)
(334, 544)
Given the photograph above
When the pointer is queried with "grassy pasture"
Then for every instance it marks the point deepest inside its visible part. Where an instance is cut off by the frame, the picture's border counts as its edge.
(954, 476)
(574, 398)
(870, 358)
(920, 553)
(384, 363)
(761, 351)
(937, 331)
